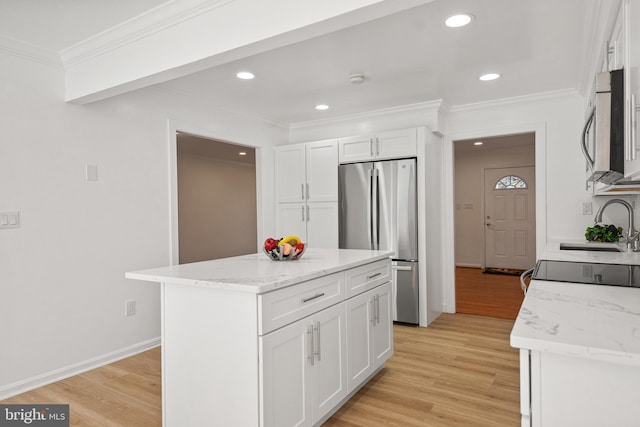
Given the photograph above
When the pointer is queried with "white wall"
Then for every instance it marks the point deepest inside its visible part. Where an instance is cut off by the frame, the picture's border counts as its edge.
(557, 121)
(62, 272)
(469, 190)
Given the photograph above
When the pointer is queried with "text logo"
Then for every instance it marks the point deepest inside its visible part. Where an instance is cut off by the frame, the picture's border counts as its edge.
(34, 415)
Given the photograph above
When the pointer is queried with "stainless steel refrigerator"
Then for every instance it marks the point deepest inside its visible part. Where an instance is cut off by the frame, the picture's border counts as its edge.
(378, 210)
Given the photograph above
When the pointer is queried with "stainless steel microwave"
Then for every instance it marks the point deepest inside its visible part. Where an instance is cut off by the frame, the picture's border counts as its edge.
(603, 133)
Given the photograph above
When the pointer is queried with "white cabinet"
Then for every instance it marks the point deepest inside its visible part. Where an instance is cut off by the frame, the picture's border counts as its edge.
(561, 390)
(307, 172)
(382, 145)
(315, 223)
(369, 333)
(631, 14)
(307, 192)
(304, 369)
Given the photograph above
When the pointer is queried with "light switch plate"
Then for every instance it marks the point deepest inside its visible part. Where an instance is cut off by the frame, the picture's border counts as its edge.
(587, 208)
(92, 172)
(9, 220)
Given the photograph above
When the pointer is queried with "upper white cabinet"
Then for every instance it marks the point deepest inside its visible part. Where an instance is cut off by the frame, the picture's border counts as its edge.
(307, 192)
(631, 46)
(382, 145)
(307, 172)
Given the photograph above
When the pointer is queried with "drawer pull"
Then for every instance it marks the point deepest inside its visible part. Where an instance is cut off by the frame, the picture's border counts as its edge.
(313, 297)
(374, 275)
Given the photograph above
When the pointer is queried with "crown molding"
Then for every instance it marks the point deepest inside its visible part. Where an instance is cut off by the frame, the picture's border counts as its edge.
(148, 23)
(542, 96)
(429, 107)
(28, 51)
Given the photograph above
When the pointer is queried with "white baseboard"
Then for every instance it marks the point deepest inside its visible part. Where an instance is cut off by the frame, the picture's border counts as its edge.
(468, 265)
(75, 369)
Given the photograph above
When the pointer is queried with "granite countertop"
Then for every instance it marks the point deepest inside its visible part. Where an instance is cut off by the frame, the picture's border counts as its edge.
(597, 322)
(256, 273)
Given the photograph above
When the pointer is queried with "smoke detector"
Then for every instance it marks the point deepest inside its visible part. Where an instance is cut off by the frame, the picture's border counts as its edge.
(356, 79)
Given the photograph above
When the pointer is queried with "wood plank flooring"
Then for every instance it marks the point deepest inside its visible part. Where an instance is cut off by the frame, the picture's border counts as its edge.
(458, 371)
(492, 295)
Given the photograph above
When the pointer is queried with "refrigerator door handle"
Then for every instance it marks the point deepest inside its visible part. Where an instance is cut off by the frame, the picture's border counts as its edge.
(370, 210)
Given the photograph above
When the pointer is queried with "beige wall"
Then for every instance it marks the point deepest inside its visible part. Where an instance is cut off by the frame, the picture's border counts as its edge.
(216, 208)
(469, 180)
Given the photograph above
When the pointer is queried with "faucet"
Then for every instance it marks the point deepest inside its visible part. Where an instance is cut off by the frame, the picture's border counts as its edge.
(633, 239)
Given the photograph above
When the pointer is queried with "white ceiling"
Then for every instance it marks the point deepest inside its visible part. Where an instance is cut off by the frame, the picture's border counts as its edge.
(410, 57)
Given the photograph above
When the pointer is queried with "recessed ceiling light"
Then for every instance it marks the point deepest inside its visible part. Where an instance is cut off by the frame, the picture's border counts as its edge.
(322, 107)
(242, 153)
(460, 20)
(245, 75)
(489, 76)
(478, 143)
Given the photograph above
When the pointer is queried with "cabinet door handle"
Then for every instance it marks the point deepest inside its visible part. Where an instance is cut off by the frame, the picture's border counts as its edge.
(302, 213)
(310, 336)
(373, 310)
(307, 191)
(302, 191)
(313, 297)
(371, 146)
(373, 275)
(307, 213)
(377, 311)
(377, 147)
(317, 346)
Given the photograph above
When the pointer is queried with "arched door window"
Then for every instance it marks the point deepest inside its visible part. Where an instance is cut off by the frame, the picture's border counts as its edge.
(510, 182)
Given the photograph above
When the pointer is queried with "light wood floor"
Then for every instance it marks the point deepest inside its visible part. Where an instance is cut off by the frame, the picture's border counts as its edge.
(458, 371)
(492, 295)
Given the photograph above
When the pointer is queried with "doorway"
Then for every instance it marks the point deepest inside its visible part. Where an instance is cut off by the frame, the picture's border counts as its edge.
(499, 239)
(216, 199)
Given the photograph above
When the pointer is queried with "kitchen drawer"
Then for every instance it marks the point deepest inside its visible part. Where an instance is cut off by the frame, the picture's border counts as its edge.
(283, 306)
(363, 278)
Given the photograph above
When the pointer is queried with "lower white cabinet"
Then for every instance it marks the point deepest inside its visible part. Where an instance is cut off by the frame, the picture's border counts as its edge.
(369, 333)
(315, 223)
(561, 390)
(303, 369)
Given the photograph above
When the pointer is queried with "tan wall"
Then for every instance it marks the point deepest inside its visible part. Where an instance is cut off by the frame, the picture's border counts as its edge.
(216, 208)
(469, 181)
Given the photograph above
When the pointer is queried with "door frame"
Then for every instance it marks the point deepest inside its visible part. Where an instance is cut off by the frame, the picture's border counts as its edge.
(539, 129)
(484, 207)
(207, 132)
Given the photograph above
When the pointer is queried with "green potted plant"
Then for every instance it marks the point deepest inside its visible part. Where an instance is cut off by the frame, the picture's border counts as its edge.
(603, 233)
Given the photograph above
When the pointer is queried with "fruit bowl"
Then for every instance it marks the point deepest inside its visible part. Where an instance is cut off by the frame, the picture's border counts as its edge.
(286, 249)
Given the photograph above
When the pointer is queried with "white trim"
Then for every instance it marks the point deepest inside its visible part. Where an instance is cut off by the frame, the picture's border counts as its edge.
(519, 100)
(429, 106)
(75, 369)
(540, 130)
(158, 19)
(31, 52)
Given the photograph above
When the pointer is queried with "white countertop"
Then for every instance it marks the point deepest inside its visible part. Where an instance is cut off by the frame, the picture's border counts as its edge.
(552, 252)
(592, 321)
(256, 273)
(572, 319)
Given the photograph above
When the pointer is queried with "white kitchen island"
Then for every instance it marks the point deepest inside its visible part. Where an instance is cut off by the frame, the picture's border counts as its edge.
(247, 341)
(579, 351)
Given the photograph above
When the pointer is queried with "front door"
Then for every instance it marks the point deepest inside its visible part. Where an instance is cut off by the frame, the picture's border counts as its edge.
(510, 224)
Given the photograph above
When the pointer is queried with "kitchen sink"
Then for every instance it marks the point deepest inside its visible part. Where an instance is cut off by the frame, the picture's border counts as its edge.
(592, 246)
